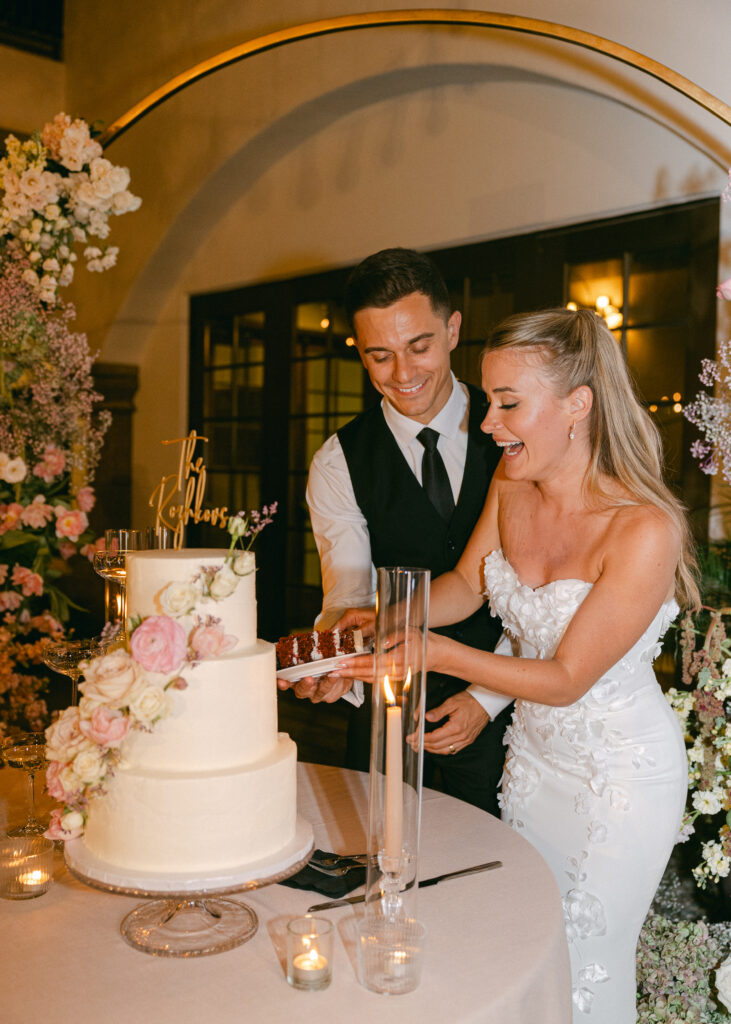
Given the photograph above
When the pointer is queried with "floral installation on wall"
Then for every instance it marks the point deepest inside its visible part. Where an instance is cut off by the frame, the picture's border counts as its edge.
(682, 976)
(131, 689)
(57, 193)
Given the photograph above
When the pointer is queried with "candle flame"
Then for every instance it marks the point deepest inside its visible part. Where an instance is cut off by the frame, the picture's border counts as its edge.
(390, 696)
(313, 954)
(407, 681)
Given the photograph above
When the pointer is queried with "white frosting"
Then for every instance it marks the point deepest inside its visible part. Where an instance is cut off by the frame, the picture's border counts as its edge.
(149, 573)
(155, 821)
(213, 786)
(226, 716)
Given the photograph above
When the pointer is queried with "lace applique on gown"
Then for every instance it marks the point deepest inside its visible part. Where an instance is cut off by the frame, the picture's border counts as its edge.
(597, 787)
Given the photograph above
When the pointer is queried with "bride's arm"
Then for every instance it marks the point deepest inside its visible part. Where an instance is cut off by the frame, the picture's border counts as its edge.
(456, 595)
(637, 575)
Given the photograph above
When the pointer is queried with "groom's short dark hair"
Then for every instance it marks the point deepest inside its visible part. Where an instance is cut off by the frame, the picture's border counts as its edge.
(392, 274)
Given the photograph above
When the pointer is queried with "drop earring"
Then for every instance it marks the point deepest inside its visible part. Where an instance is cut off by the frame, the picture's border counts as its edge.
(571, 433)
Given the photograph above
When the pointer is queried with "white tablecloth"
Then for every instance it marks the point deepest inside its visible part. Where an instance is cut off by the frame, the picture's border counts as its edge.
(495, 950)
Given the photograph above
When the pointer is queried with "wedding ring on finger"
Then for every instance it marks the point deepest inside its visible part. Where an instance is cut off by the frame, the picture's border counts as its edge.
(452, 749)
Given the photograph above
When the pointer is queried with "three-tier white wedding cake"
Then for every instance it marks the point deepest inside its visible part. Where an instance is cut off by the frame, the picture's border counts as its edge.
(213, 785)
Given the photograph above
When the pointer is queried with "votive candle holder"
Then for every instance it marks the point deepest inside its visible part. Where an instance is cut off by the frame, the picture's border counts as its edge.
(26, 867)
(309, 953)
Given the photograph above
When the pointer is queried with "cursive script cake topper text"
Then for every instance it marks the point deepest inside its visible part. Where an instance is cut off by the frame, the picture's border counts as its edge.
(178, 498)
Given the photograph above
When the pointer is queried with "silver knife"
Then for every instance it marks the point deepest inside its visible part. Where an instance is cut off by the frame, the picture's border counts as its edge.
(347, 900)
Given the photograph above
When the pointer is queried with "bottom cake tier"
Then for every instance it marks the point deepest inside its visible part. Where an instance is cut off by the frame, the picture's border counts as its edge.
(156, 821)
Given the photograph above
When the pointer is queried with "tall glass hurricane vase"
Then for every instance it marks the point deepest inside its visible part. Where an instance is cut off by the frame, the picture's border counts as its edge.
(397, 741)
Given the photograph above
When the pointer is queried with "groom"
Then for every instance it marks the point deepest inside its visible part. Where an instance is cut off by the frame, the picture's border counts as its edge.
(385, 491)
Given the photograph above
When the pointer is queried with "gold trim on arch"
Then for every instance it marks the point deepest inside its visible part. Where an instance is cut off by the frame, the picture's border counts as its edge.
(382, 19)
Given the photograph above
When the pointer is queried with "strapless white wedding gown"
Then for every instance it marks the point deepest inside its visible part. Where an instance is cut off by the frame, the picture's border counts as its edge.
(597, 787)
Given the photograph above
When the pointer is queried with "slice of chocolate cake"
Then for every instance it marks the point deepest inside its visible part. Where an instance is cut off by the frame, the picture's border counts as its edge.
(306, 648)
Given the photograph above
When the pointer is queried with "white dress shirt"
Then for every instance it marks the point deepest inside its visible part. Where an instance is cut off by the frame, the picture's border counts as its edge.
(340, 529)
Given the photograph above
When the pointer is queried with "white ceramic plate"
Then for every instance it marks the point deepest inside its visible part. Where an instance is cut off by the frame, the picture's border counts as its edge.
(315, 668)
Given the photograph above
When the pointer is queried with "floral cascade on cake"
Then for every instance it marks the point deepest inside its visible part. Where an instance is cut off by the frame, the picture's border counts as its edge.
(132, 690)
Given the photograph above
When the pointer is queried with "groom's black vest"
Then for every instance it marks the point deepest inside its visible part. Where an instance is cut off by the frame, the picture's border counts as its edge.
(405, 528)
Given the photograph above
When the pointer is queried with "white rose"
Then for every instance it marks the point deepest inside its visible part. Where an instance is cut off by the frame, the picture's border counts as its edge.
(149, 703)
(111, 679)
(244, 563)
(178, 599)
(706, 802)
(72, 821)
(14, 471)
(88, 765)
(723, 980)
(237, 526)
(69, 779)
(223, 584)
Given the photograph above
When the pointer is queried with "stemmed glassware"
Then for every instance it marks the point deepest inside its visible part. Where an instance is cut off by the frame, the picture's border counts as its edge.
(27, 751)
(66, 657)
(111, 564)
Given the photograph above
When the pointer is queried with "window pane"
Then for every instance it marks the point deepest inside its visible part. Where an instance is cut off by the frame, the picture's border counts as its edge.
(656, 357)
(588, 282)
(657, 291)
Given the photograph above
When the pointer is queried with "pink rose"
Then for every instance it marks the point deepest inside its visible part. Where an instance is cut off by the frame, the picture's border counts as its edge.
(51, 465)
(70, 523)
(64, 738)
(724, 289)
(158, 644)
(106, 728)
(9, 600)
(29, 581)
(66, 549)
(10, 516)
(65, 826)
(54, 785)
(86, 499)
(3, 573)
(210, 641)
(37, 514)
(89, 550)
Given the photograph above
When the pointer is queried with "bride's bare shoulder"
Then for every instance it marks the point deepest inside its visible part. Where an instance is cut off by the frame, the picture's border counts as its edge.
(643, 526)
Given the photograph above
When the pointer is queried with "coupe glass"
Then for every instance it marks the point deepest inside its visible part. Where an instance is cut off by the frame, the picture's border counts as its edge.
(66, 657)
(27, 751)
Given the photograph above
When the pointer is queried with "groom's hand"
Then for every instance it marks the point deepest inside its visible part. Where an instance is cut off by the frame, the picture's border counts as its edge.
(466, 720)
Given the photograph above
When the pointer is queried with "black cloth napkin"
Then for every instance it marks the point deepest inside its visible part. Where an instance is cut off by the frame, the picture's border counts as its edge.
(333, 886)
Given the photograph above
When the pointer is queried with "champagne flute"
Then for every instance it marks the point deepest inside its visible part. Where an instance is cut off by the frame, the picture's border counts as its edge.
(27, 752)
(111, 564)
(66, 657)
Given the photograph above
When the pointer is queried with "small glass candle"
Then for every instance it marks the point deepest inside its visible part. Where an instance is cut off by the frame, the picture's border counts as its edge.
(26, 867)
(309, 953)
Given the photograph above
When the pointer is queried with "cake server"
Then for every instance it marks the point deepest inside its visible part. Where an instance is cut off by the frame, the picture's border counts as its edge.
(490, 866)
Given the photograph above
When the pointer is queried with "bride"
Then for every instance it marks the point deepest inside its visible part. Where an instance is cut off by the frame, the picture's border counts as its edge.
(585, 554)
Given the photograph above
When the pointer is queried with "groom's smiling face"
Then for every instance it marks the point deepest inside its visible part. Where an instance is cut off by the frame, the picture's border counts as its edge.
(405, 348)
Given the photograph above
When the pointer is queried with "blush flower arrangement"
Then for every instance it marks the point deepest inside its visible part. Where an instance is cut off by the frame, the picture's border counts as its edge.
(57, 192)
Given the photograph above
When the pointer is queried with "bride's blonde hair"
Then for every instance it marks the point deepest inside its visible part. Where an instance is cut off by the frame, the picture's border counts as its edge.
(625, 443)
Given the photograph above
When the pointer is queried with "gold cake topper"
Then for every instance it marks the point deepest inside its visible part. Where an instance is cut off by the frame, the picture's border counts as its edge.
(178, 498)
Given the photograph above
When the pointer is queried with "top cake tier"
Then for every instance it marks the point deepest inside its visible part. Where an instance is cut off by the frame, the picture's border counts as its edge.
(193, 584)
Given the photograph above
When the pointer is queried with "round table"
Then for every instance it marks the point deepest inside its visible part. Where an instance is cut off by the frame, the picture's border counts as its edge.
(495, 950)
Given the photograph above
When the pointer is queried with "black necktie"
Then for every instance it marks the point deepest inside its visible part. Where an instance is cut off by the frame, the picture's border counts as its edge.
(434, 477)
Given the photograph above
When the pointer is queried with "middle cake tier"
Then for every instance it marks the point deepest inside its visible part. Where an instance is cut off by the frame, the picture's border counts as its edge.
(225, 717)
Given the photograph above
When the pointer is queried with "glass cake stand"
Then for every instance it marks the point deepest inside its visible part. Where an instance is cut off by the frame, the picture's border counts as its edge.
(189, 916)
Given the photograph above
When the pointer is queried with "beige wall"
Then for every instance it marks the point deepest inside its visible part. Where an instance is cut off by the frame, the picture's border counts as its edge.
(316, 154)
